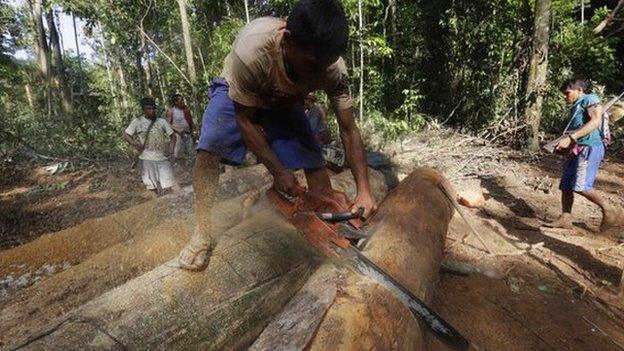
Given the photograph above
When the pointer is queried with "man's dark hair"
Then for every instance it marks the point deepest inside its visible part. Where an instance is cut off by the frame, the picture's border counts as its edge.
(320, 24)
(573, 84)
(174, 96)
(148, 101)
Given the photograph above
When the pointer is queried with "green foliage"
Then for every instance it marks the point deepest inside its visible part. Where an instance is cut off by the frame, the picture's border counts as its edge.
(577, 52)
(459, 61)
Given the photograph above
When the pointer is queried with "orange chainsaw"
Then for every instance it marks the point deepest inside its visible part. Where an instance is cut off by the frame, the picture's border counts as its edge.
(326, 221)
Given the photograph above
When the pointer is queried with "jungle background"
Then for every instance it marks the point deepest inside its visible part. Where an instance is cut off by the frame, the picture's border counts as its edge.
(493, 68)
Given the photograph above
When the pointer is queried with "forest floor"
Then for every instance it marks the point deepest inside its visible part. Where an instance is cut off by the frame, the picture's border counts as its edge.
(34, 202)
(537, 289)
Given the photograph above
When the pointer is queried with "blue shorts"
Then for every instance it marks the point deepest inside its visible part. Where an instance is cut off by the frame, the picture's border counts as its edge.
(580, 171)
(287, 131)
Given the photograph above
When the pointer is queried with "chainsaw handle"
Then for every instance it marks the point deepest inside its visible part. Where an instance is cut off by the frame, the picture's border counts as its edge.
(340, 216)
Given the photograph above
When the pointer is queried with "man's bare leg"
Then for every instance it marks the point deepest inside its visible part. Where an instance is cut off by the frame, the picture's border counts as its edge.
(565, 220)
(611, 216)
(318, 179)
(196, 253)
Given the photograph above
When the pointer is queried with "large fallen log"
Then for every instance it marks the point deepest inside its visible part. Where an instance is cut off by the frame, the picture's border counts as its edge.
(75, 244)
(34, 307)
(341, 310)
(257, 268)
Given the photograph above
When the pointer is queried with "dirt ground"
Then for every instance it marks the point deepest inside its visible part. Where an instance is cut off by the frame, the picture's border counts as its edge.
(537, 288)
(34, 202)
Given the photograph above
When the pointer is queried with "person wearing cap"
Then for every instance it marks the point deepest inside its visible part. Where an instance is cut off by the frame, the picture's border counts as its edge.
(153, 138)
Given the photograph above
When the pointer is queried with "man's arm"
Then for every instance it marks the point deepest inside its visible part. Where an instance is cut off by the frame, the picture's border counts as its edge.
(595, 117)
(128, 138)
(283, 178)
(354, 150)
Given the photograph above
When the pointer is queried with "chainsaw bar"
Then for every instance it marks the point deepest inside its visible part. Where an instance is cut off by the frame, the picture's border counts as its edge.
(431, 320)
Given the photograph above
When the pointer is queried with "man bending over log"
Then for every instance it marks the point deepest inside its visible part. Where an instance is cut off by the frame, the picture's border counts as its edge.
(258, 103)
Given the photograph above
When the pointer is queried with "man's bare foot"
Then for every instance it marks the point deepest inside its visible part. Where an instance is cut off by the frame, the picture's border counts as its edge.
(612, 218)
(196, 253)
(564, 221)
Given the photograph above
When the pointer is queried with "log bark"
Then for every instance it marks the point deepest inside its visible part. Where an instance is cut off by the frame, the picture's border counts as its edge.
(257, 268)
(34, 307)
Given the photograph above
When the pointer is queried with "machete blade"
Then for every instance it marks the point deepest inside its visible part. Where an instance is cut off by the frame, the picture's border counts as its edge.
(438, 326)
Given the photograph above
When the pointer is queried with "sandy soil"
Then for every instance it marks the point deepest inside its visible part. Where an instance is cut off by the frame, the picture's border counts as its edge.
(34, 202)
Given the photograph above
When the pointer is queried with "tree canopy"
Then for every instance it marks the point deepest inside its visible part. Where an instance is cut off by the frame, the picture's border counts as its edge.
(463, 63)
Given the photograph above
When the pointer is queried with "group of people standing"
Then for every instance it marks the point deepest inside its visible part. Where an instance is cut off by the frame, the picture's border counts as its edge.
(158, 139)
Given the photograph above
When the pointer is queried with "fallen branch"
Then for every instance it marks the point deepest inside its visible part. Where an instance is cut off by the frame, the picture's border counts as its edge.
(604, 23)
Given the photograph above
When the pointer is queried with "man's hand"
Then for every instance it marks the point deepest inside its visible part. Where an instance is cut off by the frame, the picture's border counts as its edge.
(564, 143)
(367, 202)
(130, 140)
(356, 157)
(285, 182)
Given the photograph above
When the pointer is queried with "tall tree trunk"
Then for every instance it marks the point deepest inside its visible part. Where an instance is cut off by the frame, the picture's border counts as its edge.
(111, 83)
(138, 62)
(361, 28)
(393, 29)
(159, 80)
(29, 97)
(201, 59)
(122, 81)
(538, 69)
(66, 98)
(188, 43)
(188, 50)
(247, 11)
(147, 73)
(76, 37)
(43, 51)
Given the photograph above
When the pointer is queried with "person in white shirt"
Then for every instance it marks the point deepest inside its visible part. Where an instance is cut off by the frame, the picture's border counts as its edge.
(152, 137)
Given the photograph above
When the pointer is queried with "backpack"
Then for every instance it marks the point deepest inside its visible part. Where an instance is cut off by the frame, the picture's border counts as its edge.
(605, 129)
